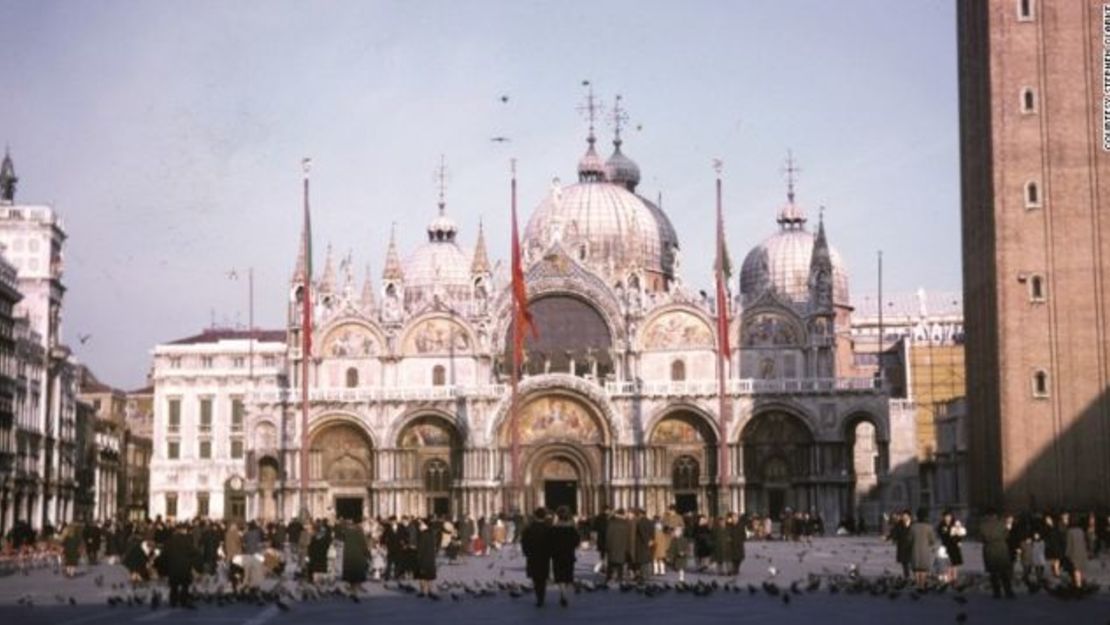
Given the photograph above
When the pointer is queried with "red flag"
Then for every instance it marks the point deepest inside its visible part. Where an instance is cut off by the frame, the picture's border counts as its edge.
(522, 317)
(306, 245)
(722, 269)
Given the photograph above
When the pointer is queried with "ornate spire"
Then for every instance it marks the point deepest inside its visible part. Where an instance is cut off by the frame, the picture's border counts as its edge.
(620, 169)
(7, 178)
(367, 298)
(298, 268)
(791, 215)
(590, 166)
(327, 281)
(442, 228)
(820, 267)
(480, 264)
(393, 270)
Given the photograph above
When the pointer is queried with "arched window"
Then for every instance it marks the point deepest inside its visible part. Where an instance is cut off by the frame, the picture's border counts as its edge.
(1025, 10)
(686, 474)
(1028, 101)
(439, 376)
(1036, 288)
(1040, 383)
(437, 476)
(678, 371)
(1032, 195)
(352, 378)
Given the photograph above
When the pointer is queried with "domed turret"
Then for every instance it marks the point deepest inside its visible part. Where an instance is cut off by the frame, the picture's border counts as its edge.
(620, 169)
(782, 262)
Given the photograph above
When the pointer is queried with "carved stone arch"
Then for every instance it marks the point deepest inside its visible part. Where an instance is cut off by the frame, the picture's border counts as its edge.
(437, 333)
(415, 415)
(669, 318)
(856, 415)
(333, 340)
(558, 273)
(321, 422)
(589, 396)
(589, 471)
(775, 321)
(680, 410)
(792, 408)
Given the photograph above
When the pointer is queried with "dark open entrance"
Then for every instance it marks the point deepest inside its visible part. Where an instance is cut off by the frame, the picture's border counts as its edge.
(686, 503)
(561, 493)
(440, 506)
(349, 508)
(776, 502)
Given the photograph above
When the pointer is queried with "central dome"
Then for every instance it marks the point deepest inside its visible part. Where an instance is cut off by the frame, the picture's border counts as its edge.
(609, 229)
(782, 261)
(439, 266)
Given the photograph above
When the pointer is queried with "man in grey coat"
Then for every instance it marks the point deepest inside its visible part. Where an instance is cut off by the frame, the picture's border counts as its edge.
(923, 542)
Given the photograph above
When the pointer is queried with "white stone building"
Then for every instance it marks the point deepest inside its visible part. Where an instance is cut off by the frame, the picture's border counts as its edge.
(201, 384)
(409, 403)
(32, 236)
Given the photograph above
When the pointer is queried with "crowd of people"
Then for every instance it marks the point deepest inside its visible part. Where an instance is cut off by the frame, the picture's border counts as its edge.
(1050, 549)
(633, 547)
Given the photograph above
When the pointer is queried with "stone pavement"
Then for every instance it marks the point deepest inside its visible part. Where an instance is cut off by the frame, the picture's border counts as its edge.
(51, 597)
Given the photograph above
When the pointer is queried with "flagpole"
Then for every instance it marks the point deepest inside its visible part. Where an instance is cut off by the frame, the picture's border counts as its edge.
(723, 351)
(517, 336)
(306, 320)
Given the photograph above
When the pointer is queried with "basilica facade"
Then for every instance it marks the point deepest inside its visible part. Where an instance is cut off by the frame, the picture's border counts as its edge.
(409, 409)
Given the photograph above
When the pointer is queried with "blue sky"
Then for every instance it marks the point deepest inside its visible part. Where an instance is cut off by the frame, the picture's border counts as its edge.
(169, 135)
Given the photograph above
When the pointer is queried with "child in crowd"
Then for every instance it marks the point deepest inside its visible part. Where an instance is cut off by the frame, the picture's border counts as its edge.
(679, 552)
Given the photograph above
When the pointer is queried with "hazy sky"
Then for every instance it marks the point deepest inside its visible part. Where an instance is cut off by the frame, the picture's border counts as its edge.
(169, 135)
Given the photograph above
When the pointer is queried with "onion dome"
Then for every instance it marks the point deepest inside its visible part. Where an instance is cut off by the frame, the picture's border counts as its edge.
(620, 169)
(439, 267)
(590, 167)
(782, 262)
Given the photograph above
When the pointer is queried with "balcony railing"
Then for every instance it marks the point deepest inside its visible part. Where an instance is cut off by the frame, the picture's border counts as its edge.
(690, 388)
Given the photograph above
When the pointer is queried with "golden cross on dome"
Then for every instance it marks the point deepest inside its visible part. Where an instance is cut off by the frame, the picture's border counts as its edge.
(589, 107)
(618, 117)
(441, 182)
(790, 169)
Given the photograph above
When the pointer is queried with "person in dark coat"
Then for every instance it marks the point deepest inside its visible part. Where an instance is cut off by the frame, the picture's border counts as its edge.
(318, 552)
(355, 556)
(903, 542)
(565, 538)
(427, 545)
(71, 548)
(951, 533)
(703, 542)
(616, 545)
(601, 529)
(722, 547)
(93, 537)
(536, 544)
(181, 557)
(996, 554)
(645, 534)
(1075, 548)
(738, 535)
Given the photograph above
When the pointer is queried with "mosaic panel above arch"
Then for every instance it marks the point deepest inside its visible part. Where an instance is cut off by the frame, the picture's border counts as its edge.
(351, 340)
(436, 336)
(678, 330)
(676, 431)
(554, 419)
(770, 330)
(426, 433)
(341, 454)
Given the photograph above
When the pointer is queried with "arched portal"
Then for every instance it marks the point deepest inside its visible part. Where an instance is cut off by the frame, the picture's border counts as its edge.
(268, 475)
(562, 448)
(682, 457)
(341, 469)
(778, 452)
(430, 455)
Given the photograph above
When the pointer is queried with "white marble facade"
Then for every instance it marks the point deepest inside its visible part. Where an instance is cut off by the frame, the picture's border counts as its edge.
(620, 405)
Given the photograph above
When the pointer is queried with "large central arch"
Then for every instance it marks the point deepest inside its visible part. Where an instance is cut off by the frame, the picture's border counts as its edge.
(778, 451)
(563, 440)
(341, 468)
